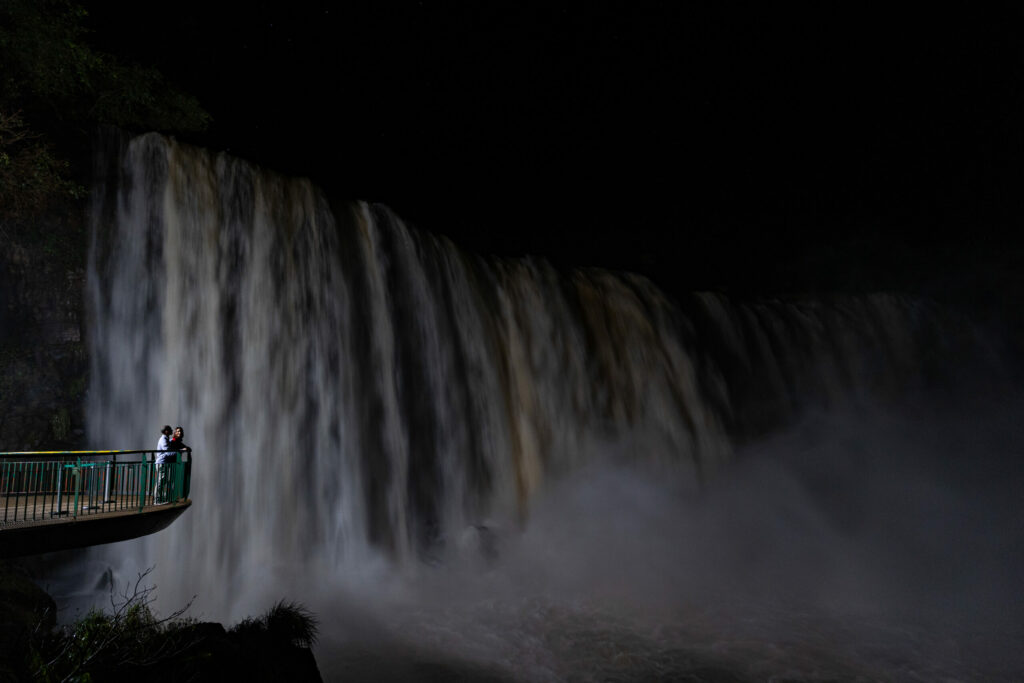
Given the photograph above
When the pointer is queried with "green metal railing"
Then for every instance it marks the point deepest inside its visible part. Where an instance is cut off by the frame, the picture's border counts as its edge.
(46, 485)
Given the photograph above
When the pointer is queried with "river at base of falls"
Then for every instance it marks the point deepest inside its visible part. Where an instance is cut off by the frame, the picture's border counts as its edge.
(876, 546)
(881, 544)
(547, 640)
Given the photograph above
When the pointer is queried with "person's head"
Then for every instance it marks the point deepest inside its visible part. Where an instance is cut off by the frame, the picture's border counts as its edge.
(166, 431)
(179, 433)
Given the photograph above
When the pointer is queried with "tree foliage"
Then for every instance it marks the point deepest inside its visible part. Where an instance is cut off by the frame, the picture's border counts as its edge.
(31, 174)
(99, 644)
(49, 69)
(55, 88)
(129, 642)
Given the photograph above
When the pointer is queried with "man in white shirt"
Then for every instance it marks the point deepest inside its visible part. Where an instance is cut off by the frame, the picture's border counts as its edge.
(163, 452)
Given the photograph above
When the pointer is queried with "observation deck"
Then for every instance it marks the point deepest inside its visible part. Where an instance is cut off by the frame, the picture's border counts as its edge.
(57, 500)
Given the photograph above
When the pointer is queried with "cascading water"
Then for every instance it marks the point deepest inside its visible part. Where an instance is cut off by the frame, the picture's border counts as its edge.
(362, 397)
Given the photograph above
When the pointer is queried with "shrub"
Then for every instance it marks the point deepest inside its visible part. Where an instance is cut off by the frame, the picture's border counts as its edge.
(129, 636)
(285, 623)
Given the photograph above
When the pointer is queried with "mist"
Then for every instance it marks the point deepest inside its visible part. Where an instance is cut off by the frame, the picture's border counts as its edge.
(882, 542)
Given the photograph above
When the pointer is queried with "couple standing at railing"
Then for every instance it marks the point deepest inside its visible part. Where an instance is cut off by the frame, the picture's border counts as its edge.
(169, 444)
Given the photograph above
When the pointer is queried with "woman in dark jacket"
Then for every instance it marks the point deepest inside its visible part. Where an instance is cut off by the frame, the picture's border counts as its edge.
(177, 443)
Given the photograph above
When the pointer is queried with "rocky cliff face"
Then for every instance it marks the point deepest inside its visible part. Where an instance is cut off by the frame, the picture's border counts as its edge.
(43, 361)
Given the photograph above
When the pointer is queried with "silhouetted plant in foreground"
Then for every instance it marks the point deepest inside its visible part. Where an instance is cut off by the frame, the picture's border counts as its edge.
(285, 622)
(131, 641)
(130, 635)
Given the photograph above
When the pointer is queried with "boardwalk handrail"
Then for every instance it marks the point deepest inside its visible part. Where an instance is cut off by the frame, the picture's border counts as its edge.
(44, 485)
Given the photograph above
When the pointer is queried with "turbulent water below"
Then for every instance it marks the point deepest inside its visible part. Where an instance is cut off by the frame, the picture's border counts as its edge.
(877, 544)
(483, 469)
(836, 551)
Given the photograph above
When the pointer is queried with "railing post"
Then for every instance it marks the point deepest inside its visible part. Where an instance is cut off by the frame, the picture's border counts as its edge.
(179, 474)
(77, 474)
(60, 482)
(17, 488)
(143, 481)
(187, 475)
(110, 471)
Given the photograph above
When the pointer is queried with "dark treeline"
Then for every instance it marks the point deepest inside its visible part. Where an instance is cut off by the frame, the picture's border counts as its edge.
(56, 88)
(56, 92)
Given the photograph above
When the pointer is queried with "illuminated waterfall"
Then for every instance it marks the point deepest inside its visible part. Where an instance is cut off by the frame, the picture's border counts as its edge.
(359, 391)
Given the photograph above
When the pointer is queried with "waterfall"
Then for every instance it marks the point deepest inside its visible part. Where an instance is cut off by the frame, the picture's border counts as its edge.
(357, 391)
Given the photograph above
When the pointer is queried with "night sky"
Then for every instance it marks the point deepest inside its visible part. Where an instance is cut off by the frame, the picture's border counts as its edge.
(703, 145)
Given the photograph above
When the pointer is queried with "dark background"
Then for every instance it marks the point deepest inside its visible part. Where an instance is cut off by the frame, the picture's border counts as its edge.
(769, 149)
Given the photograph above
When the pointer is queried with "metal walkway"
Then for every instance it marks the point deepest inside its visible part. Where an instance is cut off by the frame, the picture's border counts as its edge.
(55, 500)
